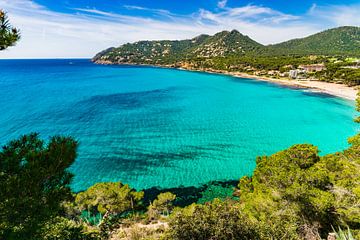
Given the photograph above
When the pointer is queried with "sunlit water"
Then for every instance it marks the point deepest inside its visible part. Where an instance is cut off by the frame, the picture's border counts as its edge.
(160, 127)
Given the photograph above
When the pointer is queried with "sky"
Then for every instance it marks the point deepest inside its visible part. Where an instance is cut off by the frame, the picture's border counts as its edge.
(81, 28)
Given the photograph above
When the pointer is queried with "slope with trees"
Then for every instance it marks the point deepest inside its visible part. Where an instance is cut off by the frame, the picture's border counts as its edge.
(231, 51)
(169, 52)
(337, 41)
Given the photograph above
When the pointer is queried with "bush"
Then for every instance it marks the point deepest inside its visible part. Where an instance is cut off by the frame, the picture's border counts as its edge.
(34, 181)
(217, 220)
(64, 229)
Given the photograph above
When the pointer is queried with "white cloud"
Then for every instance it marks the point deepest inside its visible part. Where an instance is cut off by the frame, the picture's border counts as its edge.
(249, 13)
(344, 15)
(312, 8)
(48, 34)
(222, 3)
(94, 11)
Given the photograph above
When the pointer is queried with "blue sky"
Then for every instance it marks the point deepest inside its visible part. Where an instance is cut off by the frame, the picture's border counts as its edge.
(80, 28)
(186, 6)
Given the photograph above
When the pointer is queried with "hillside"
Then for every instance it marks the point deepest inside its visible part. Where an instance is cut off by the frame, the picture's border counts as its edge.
(337, 50)
(149, 51)
(336, 41)
(222, 44)
(225, 44)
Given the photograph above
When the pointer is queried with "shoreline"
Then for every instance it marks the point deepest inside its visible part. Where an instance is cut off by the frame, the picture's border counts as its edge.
(333, 89)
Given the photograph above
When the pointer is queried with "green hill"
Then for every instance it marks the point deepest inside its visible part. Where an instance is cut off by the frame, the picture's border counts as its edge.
(336, 41)
(149, 51)
(225, 44)
(221, 44)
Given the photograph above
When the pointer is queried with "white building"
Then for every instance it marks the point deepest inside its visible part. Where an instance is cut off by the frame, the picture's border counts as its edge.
(293, 74)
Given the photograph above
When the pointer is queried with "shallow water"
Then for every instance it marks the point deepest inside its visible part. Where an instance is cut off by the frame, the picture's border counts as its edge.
(161, 127)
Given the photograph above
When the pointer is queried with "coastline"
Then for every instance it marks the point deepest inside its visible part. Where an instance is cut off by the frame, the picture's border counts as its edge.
(334, 89)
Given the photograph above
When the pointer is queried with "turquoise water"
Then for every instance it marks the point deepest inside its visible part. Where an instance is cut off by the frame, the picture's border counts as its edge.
(161, 127)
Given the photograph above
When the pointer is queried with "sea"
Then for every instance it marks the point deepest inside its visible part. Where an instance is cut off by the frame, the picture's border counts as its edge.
(153, 127)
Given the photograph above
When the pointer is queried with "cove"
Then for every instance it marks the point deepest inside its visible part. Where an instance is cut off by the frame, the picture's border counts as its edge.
(153, 127)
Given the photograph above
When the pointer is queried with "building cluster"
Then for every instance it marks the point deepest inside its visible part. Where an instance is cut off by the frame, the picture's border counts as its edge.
(303, 70)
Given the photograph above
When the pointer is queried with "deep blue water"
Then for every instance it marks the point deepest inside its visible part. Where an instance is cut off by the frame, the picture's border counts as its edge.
(160, 127)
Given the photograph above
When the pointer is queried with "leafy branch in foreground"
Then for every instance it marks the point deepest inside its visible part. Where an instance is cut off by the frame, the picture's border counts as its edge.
(8, 34)
(34, 181)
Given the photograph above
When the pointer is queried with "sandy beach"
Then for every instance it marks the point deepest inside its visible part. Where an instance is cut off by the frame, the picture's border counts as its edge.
(335, 89)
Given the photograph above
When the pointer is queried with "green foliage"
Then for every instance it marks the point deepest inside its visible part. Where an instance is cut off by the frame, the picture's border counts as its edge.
(293, 194)
(8, 35)
(258, 62)
(162, 204)
(340, 73)
(336, 41)
(343, 170)
(357, 119)
(342, 235)
(169, 52)
(217, 220)
(113, 198)
(61, 228)
(34, 180)
(225, 43)
(290, 181)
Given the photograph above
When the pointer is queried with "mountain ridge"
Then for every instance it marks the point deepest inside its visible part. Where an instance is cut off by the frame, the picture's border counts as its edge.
(343, 40)
(340, 40)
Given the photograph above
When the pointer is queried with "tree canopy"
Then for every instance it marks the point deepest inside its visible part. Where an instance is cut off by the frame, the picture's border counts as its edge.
(34, 180)
(8, 34)
(163, 204)
(112, 198)
(293, 194)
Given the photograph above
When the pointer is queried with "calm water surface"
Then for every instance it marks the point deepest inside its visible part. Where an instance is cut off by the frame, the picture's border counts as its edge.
(160, 127)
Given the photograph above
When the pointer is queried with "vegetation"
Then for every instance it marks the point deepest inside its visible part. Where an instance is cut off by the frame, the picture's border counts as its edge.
(293, 194)
(337, 41)
(109, 198)
(161, 205)
(340, 72)
(34, 181)
(344, 235)
(8, 35)
(357, 119)
(61, 228)
(168, 52)
(232, 51)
